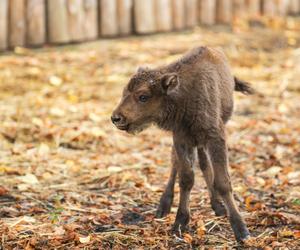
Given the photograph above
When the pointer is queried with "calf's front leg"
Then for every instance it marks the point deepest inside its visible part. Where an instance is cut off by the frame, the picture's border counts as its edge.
(166, 199)
(185, 157)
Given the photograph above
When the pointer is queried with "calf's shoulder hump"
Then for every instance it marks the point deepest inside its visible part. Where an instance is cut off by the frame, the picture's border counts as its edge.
(196, 56)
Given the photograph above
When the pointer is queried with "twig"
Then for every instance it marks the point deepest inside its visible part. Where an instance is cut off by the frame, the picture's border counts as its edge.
(214, 225)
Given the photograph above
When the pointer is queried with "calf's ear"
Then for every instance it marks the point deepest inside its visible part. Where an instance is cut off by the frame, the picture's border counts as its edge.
(170, 83)
(142, 69)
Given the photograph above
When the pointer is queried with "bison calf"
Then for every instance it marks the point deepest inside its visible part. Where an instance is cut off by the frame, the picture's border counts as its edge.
(193, 98)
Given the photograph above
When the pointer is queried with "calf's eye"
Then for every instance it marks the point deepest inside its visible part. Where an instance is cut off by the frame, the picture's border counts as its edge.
(143, 98)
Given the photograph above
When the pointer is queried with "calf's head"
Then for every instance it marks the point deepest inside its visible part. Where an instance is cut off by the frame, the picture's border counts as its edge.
(143, 99)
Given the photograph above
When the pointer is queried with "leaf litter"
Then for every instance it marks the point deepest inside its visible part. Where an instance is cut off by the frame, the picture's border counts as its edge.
(70, 180)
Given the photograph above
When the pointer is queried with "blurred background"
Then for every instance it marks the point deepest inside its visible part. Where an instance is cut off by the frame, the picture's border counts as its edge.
(69, 179)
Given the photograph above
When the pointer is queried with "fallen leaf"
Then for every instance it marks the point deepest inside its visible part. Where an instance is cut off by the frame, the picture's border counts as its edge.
(85, 240)
(188, 238)
(43, 149)
(28, 179)
(57, 112)
(97, 132)
(3, 191)
(272, 171)
(55, 80)
(201, 230)
(286, 233)
(59, 230)
(114, 169)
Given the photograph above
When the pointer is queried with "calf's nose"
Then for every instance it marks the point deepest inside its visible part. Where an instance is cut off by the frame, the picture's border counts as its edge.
(115, 118)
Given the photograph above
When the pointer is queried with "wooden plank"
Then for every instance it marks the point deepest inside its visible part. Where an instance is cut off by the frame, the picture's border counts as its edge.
(294, 7)
(269, 8)
(224, 11)
(178, 14)
(191, 13)
(58, 21)
(253, 8)
(125, 16)
(90, 24)
(108, 18)
(3, 24)
(17, 19)
(75, 20)
(283, 7)
(239, 9)
(163, 15)
(35, 22)
(144, 16)
(207, 12)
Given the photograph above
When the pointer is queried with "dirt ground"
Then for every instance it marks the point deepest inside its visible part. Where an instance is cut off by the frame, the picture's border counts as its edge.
(70, 180)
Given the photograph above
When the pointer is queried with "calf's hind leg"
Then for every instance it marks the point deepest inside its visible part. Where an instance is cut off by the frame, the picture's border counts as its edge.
(218, 153)
(206, 168)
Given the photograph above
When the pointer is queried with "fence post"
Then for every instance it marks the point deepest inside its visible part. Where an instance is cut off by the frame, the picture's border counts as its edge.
(207, 12)
(239, 9)
(16, 23)
(269, 8)
(178, 14)
(253, 8)
(58, 21)
(108, 18)
(283, 7)
(75, 20)
(90, 22)
(163, 15)
(3, 24)
(224, 11)
(35, 22)
(144, 16)
(191, 12)
(125, 16)
(294, 7)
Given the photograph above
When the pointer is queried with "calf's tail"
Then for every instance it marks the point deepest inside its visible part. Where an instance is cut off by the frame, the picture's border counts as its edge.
(244, 87)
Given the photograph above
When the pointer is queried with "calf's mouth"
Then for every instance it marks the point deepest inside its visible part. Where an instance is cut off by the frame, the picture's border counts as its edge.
(123, 127)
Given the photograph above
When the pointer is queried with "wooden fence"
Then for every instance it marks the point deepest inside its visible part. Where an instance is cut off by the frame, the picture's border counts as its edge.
(33, 23)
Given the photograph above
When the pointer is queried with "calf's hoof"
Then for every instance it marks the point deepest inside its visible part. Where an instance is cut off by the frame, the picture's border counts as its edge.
(240, 230)
(218, 208)
(242, 235)
(164, 207)
(162, 212)
(178, 229)
(181, 223)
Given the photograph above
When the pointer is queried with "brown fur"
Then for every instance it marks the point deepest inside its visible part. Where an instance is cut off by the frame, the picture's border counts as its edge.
(193, 98)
